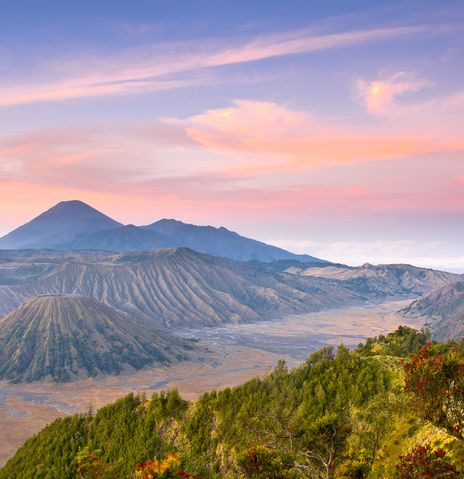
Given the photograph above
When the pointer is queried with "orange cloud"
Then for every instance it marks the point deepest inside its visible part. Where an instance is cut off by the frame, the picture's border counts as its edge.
(380, 96)
(233, 144)
(264, 137)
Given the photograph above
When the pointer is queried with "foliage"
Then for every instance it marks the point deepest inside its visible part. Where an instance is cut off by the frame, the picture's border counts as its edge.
(89, 465)
(262, 462)
(354, 466)
(434, 380)
(425, 463)
(373, 422)
(169, 468)
(324, 449)
(401, 343)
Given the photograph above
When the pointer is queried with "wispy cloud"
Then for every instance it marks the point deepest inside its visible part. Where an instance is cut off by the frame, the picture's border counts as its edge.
(155, 68)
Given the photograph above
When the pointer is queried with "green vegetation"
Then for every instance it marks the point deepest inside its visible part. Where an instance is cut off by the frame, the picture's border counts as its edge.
(340, 415)
(403, 342)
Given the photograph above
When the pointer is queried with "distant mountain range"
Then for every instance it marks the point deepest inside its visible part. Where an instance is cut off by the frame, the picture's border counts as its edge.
(61, 338)
(178, 287)
(444, 309)
(74, 225)
(380, 280)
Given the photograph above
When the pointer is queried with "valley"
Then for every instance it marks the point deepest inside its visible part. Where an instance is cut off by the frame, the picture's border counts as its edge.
(231, 354)
(115, 309)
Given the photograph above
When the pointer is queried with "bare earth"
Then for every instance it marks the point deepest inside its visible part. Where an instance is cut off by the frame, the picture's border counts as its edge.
(232, 354)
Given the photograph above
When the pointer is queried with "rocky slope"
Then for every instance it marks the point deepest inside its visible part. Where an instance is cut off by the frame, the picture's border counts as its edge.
(385, 280)
(180, 287)
(59, 337)
(445, 310)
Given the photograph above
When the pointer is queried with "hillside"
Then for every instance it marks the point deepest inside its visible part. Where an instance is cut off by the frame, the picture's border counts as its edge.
(25, 265)
(121, 239)
(378, 280)
(180, 287)
(61, 338)
(445, 310)
(58, 225)
(343, 415)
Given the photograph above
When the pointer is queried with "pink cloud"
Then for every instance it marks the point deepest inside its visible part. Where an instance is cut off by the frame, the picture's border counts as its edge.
(82, 157)
(248, 160)
(236, 144)
(264, 137)
(438, 119)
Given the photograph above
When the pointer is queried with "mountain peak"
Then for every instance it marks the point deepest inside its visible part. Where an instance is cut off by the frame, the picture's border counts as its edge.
(60, 224)
(72, 203)
(72, 206)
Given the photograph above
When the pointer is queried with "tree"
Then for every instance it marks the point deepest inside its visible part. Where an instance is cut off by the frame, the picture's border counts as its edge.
(402, 342)
(324, 449)
(354, 466)
(373, 421)
(262, 462)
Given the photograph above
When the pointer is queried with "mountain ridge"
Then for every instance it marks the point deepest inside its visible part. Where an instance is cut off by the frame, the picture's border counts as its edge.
(444, 309)
(179, 287)
(223, 242)
(122, 239)
(383, 279)
(74, 225)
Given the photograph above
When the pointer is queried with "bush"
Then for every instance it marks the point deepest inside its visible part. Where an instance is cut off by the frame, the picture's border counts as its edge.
(169, 468)
(262, 462)
(425, 463)
(434, 381)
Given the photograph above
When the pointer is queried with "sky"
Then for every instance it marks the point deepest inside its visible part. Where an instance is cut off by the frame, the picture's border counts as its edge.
(332, 128)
